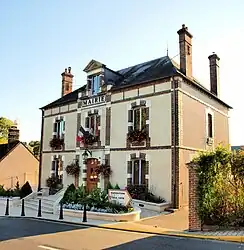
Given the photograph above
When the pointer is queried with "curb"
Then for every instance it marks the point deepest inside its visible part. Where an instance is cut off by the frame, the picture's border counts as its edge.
(237, 239)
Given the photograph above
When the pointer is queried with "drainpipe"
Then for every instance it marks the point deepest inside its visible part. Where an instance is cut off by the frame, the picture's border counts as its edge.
(174, 141)
(40, 161)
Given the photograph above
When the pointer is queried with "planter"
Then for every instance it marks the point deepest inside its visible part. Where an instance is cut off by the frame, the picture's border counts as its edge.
(157, 207)
(132, 216)
(13, 201)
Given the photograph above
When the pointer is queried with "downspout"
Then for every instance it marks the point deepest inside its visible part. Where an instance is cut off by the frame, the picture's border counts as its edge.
(174, 143)
(41, 147)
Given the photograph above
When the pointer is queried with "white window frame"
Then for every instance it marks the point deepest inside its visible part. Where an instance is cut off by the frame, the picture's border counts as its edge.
(133, 117)
(140, 171)
(209, 111)
(95, 123)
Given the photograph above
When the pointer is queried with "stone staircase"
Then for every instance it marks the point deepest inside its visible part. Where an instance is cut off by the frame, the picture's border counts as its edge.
(49, 203)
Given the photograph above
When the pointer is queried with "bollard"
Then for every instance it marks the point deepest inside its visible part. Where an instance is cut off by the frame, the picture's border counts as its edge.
(61, 214)
(39, 214)
(7, 207)
(84, 213)
(23, 208)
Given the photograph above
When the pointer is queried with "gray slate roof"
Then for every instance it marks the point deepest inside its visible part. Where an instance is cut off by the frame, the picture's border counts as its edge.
(159, 68)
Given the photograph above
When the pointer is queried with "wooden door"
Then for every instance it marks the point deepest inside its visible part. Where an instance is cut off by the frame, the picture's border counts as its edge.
(92, 177)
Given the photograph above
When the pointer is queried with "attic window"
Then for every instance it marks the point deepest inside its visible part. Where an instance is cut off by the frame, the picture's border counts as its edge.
(94, 84)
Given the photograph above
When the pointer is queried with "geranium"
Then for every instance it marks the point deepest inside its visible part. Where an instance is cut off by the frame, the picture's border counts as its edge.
(137, 135)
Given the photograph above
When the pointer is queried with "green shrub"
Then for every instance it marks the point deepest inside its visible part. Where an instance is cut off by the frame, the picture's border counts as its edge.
(68, 192)
(220, 186)
(116, 186)
(25, 190)
(2, 191)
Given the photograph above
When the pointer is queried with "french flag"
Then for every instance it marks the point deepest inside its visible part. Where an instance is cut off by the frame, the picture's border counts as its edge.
(81, 134)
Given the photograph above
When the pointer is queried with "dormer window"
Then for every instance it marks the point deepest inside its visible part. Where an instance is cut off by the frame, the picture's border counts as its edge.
(94, 84)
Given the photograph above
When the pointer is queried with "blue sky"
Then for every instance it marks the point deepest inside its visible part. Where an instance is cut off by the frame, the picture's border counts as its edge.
(40, 38)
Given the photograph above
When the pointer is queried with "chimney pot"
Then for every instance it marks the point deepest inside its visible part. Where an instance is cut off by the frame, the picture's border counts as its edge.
(214, 73)
(65, 70)
(185, 43)
(69, 69)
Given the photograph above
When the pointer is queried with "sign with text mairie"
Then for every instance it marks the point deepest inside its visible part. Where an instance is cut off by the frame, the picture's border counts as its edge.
(93, 100)
(121, 197)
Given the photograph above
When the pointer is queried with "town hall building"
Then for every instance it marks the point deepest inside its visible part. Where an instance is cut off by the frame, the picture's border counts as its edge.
(145, 121)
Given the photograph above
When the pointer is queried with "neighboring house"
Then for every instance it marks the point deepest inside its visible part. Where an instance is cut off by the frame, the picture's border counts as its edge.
(147, 120)
(17, 163)
(236, 148)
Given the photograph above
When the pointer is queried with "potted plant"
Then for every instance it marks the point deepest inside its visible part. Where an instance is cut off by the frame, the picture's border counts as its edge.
(137, 135)
(56, 143)
(74, 170)
(54, 183)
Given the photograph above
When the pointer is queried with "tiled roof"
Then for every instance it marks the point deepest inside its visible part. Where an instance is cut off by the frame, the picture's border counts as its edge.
(6, 148)
(159, 68)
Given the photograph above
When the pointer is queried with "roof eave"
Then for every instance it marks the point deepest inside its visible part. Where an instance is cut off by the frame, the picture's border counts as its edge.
(204, 90)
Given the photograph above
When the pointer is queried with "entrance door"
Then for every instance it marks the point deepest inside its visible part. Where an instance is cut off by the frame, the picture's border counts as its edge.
(92, 177)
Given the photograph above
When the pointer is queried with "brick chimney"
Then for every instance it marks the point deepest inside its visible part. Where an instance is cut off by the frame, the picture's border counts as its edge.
(214, 73)
(13, 133)
(185, 42)
(67, 81)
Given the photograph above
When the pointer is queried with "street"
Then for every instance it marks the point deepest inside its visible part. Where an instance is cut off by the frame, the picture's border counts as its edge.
(32, 234)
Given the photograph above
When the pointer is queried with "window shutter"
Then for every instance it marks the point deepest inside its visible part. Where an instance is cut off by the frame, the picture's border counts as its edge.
(98, 118)
(147, 167)
(87, 122)
(130, 115)
(77, 157)
(147, 113)
(130, 119)
(53, 166)
(78, 127)
(129, 167)
(63, 125)
(55, 127)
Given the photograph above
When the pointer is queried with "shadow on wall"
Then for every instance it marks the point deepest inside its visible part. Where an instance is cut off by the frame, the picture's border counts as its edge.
(10, 182)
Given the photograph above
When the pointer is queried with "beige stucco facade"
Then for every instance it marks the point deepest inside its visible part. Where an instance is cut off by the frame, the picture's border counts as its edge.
(19, 165)
(193, 109)
(159, 170)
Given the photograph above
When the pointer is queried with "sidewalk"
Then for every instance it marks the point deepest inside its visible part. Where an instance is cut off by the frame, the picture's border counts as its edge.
(16, 212)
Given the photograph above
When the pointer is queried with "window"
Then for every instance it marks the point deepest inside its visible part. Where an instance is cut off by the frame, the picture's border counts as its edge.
(94, 84)
(139, 118)
(139, 172)
(92, 123)
(57, 167)
(59, 128)
(210, 126)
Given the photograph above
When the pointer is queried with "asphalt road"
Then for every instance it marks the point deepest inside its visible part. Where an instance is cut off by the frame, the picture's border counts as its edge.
(30, 234)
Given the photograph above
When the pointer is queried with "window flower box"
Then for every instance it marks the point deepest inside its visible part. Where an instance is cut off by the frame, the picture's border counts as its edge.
(89, 139)
(73, 169)
(56, 143)
(137, 136)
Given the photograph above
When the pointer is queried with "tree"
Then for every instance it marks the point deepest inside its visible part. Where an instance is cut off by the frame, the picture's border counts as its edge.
(35, 145)
(5, 124)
